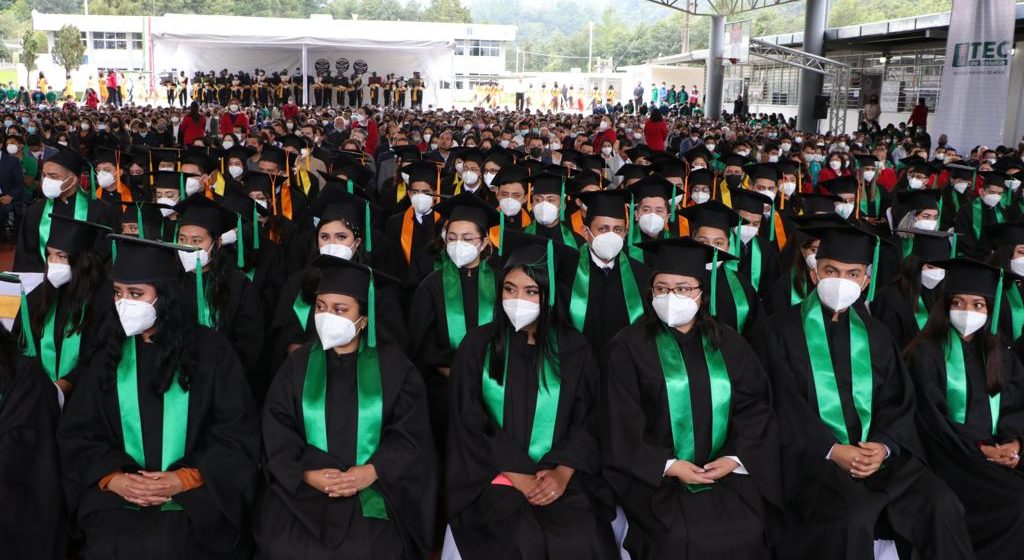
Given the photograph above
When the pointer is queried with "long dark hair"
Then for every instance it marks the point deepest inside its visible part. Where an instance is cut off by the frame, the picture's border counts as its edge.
(216, 283)
(175, 337)
(86, 274)
(550, 320)
(193, 112)
(938, 328)
(709, 327)
(909, 280)
(9, 352)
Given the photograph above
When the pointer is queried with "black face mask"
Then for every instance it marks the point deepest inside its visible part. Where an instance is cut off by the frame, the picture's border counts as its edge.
(733, 180)
(536, 152)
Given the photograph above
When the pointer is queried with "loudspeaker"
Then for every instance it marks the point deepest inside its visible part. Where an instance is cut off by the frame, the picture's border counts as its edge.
(821, 106)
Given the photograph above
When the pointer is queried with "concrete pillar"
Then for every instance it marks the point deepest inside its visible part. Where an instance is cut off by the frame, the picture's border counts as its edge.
(305, 84)
(815, 19)
(716, 74)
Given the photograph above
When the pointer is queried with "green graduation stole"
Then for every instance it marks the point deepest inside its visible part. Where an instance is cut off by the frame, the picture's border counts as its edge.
(755, 263)
(203, 311)
(301, 308)
(1016, 309)
(920, 314)
(175, 418)
(976, 217)
(739, 295)
(454, 310)
(581, 290)
(795, 296)
(877, 203)
(370, 415)
(69, 348)
(45, 221)
(542, 433)
(567, 237)
(27, 340)
(680, 405)
(956, 384)
(830, 407)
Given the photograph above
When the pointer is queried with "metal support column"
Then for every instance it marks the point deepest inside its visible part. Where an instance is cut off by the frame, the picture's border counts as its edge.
(716, 74)
(305, 83)
(815, 18)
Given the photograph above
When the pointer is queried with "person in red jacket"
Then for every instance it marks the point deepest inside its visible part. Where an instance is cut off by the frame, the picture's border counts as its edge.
(837, 167)
(655, 132)
(234, 121)
(193, 126)
(363, 119)
(290, 109)
(605, 133)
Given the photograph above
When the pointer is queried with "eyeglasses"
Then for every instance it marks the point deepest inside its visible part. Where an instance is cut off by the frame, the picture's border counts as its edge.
(680, 290)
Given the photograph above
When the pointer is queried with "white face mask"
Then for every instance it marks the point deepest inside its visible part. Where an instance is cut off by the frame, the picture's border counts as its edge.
(337, 250)
(606, 151)
(967, 322)
(462, 253)
(700, 197)
(960, 186)
(710, 147)
(674, 310)
(168, 202)
(1013, 184)
(228, 144)
(470, 177)
(930, 225)
(788, 188)
(769, 194)
(504, 143)
(233, 107)
(545, 213)
(85, 125)
(426, 137)
(747, 232)
(190, 258)
(606, 246)
(835, 165)
(236, 171)
(229, 237)
(1017, 266)
(192, 185)
(838, 293)
(105, 179)
(915, 183)
(58, 274)
(520, 313)
(652, 224)
(421, 203)
(869, 176)
(52, 187)
(334, 330)
(13, 149)
(458, 166)
(603, 126)
(812, 261)
(136, 316)
(930, 277)
(555, 146)
(743, 153)
(773, 159)
(510, 206)
(844, 209)
(489, 177)
(785, 146)
(990, 199)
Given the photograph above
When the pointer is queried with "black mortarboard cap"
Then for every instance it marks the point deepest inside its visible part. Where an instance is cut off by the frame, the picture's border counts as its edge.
(611, 204)
(845, 184)
(930, 245)
(967, 276)
(471, 208)
(631, 171)
(701, 177)
(408, 153)
(712, 214)
(764, 171)
(682, 256)
(845, 244)
(198, 210)
(511, 174)
(919, 199)
(749, 201)
(68, 159)
(669, 168)
(335, 203)
(547, 183)
(152, 219)
(817, 203)
(651, 187)
(71, 235)
(145, 261)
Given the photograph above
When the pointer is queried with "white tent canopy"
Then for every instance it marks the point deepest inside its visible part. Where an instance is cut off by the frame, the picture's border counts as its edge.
(203, 43)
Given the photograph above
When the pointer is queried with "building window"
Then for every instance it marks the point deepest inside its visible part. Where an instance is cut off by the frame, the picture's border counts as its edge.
(85, 39)
(477, 47)
(137, 41)
(109, 40)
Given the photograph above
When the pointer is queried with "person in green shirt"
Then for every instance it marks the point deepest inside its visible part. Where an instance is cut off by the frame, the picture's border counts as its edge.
(51, 97)
(11, 92)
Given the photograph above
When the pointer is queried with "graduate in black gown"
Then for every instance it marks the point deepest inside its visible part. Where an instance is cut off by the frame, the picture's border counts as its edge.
(1007, 241)
(32, 523)
(159, 444)
(600, 287)
(347, 445)
(509, 186)
(970, 407)
(653, 213)
(733, 302)
(63, 196)
(413, 230)
(223, 297)
(795, 282)
(903, 305)
(67, 311)
(523, 456)
(689, 441)
(548, 199)
(984, 210)
(852, 461)
(758, 257)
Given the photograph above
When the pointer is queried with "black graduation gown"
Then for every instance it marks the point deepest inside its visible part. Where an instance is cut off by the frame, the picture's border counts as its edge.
(726, 306)
(421, 256)
(92, 333)
(491, 521)
(769, 262)
(222, 442)
(32, 521)
(428, 335)
(893, 310)
(27, 254)
(780, 295)
(950, 208)
(730, 519)
(992, 495)
(1006, 315)
(554, 232)
(298, 522)
(964, 225)
(827, 513)
(242, 322)
(607, 313)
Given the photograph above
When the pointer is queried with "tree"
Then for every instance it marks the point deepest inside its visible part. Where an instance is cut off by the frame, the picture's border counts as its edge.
(68, 50)
(447, 11)
(33, 44)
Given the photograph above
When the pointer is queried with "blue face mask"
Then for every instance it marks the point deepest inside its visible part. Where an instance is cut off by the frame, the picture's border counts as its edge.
(8, 123)
(24, 120)
(31, 130)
